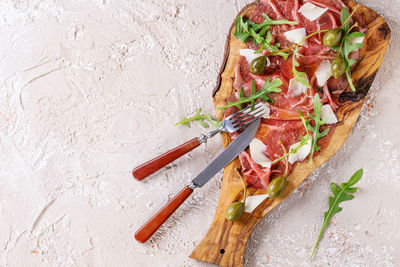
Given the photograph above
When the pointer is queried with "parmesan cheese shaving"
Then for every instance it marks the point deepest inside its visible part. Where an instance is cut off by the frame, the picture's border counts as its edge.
(311, 11)
(327, 113)
(296, 87)
(323, 72)
(296, 35)
(257, 153)
(252, 202)
(301, 154)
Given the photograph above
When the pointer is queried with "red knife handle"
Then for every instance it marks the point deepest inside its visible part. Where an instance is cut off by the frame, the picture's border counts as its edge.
(147, 168)
(151, 226)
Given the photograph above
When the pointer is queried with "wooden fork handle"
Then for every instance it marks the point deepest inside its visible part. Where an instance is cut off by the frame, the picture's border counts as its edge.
(151, 226)
(147, 168)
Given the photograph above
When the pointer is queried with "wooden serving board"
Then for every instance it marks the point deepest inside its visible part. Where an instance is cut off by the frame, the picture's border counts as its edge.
(225, 242)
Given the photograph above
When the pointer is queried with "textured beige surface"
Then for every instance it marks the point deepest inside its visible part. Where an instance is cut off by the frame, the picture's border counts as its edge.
(90, 89)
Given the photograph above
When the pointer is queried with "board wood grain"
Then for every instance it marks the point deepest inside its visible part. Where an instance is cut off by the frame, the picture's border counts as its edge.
(225, 242)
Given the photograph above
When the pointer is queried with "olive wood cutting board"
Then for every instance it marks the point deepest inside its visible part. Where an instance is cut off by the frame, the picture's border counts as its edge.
(225, 242)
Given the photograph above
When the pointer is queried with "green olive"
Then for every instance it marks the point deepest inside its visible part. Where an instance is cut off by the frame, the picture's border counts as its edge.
(234, 211)
(276, 187)
(338, 66)
(258, 64)
(332, 37)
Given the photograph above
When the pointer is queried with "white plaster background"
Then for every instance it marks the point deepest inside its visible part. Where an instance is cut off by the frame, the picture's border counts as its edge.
(90, 89)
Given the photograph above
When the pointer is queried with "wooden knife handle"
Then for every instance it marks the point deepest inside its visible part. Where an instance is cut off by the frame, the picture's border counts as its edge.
(144, 170)
(151, 226)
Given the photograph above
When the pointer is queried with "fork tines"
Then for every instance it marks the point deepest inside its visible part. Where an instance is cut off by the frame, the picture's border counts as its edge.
(247, 115)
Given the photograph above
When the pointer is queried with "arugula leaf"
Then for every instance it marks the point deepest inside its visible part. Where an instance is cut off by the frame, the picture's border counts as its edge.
(318, 123)
(299, 75)
(267, 88)
(335, 48)
(347, 48)
(265, 43)
(200, 118)
(341, 193)
(280, 53)
(303, 139)
(243, 36)
(264, 30)
(269, 22)
(240, 25)
(344, 16)
(304, 121)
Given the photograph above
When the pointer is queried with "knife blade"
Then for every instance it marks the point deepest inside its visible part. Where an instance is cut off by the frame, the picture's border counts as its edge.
(226, 156)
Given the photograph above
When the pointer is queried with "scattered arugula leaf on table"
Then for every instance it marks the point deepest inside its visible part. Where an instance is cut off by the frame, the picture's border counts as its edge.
(267, 88)
(200, 118)
(340, 193)
(318, 123)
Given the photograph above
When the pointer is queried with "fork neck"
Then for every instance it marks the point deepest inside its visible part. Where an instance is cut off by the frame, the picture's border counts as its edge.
(212, 133)
(203, 138)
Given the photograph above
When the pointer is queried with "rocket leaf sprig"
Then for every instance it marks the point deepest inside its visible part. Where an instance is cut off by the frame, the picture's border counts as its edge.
(246, 30)
(318, 123)
(346, 46)
(341, 193)
(268, 87)
(200, 118)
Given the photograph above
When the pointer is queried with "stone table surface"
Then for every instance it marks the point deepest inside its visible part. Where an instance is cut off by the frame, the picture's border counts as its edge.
(90, 89)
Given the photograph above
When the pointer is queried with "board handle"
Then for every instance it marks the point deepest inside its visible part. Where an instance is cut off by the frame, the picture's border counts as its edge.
(225, 241)
(151, 226)
(151, 166)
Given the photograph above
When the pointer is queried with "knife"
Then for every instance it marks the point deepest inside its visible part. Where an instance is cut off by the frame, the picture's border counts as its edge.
(226, 156)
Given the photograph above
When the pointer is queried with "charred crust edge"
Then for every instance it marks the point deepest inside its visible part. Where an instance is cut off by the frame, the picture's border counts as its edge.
(384, 31)
(363, 85)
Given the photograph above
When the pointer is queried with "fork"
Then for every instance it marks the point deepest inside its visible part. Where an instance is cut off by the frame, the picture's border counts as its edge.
(231, 124)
